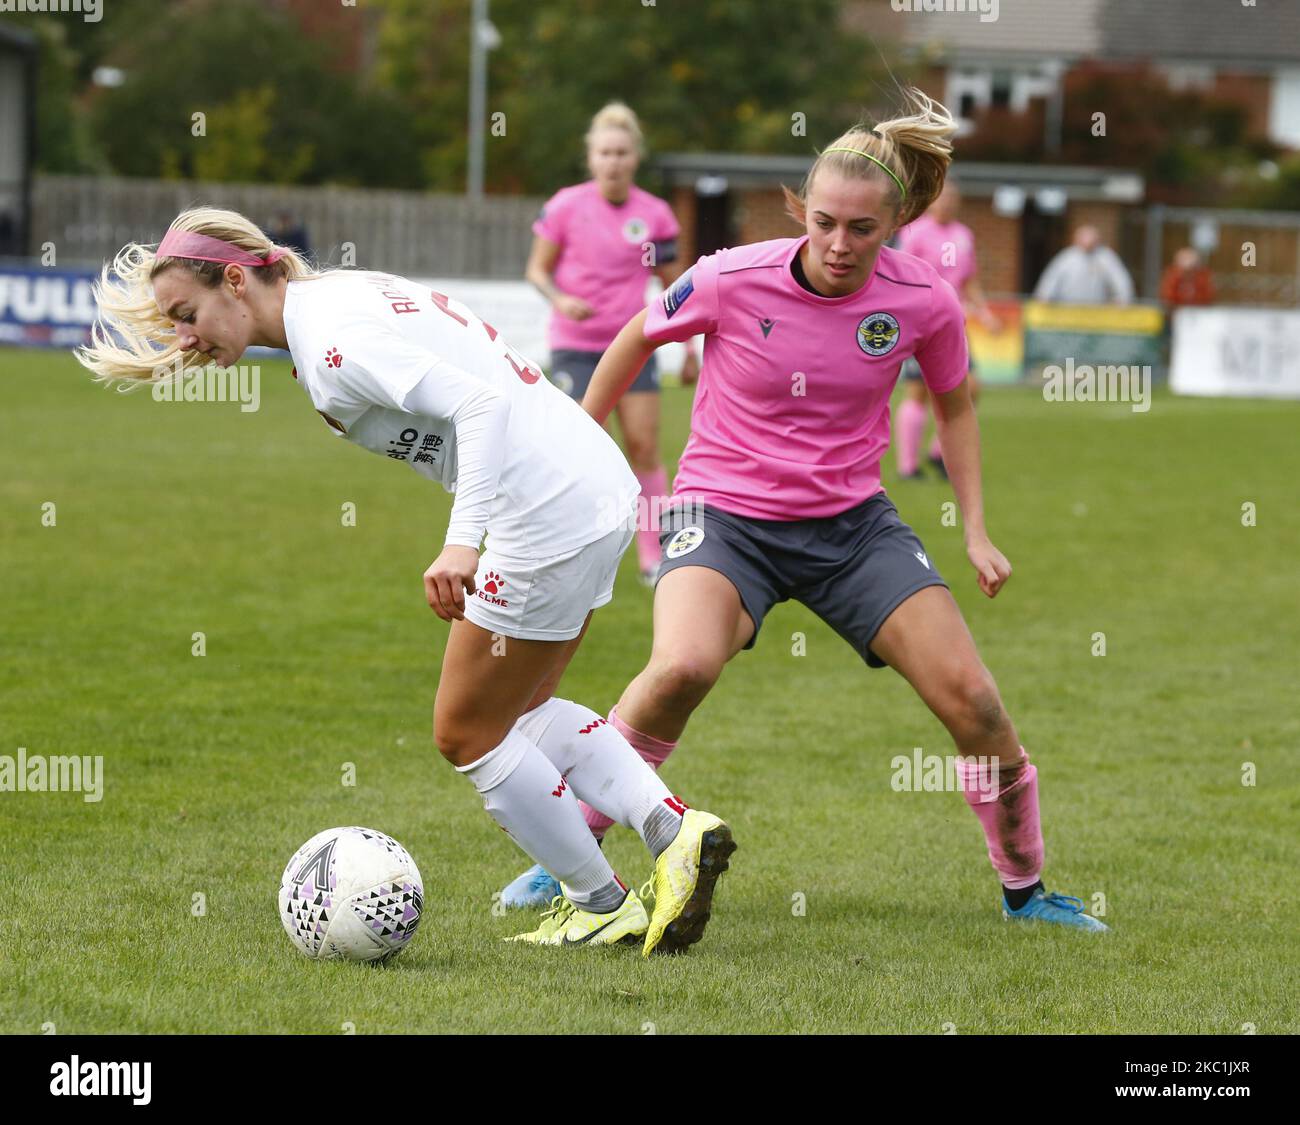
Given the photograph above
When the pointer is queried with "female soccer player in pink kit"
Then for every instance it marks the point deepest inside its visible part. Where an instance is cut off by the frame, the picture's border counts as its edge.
(938, 238)
(778, 491)
(595, 246)
(415, 376)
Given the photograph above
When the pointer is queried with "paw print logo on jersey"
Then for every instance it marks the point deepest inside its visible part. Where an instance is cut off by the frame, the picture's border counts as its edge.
(877, 333)
(333, 358)
(493, 582)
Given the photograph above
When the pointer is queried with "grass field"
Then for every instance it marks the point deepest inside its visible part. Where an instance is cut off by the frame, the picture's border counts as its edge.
(320, 651)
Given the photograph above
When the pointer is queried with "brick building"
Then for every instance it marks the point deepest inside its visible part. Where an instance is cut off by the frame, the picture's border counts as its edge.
(1245, 53)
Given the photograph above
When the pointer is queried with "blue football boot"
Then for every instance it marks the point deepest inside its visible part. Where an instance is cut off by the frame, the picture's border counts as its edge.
(1063, 910)
(533, 890)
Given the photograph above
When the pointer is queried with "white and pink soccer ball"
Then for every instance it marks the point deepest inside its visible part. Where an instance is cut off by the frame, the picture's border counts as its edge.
(351, 893)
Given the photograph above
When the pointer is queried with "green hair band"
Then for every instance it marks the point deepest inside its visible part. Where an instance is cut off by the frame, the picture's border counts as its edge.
(889, 171)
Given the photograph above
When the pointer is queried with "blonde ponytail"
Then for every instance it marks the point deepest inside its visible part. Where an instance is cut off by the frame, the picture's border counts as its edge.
(132, 340)
(914, 150)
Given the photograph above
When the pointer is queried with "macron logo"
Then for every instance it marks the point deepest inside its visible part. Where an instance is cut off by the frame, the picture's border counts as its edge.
(924, 561)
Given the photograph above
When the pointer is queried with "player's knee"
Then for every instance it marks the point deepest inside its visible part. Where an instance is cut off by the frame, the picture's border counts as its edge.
(460, 742)
(452, 748)
(976, 705)
(642, 454)
(682, 680)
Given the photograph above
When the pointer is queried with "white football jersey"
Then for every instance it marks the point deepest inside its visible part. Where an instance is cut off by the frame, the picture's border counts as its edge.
(362, 341)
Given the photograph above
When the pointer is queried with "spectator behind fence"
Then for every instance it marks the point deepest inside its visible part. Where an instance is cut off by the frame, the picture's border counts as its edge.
(1085, 273)
(1187, 281)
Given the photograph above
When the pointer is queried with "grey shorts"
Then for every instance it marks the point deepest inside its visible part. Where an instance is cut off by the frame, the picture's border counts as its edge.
(852, 570)
(572, 372)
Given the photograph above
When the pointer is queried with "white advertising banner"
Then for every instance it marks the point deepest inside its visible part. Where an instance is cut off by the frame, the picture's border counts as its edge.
(520, 314)
(1236, 352)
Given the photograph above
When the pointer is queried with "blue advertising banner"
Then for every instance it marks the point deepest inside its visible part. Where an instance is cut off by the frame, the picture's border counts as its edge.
(45, 308)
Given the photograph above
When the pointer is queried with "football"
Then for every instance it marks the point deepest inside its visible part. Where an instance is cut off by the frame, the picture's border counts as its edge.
(351, 893)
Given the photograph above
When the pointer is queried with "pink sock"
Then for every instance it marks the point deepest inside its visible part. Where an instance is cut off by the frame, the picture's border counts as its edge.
(1010, 819)
(936, 450)
(909, 428)
(654, 486)
(653, 751)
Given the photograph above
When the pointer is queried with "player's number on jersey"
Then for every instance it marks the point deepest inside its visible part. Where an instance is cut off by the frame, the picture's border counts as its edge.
(527, 373)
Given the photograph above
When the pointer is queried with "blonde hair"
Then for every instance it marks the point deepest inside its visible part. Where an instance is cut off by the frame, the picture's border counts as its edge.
(916, 148)
(616, 115)
(131, 339)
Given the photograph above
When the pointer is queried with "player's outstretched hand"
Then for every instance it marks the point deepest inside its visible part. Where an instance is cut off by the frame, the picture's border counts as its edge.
(990, 564)
(449, 579)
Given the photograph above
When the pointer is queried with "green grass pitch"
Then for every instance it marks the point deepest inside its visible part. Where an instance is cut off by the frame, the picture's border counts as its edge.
(849, 907)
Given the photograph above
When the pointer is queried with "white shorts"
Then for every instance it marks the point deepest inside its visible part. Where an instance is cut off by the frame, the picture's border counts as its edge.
(546, 599)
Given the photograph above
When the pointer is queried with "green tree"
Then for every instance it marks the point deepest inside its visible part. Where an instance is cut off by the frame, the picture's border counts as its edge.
(220, 58)
(723, 75)
(422, 63)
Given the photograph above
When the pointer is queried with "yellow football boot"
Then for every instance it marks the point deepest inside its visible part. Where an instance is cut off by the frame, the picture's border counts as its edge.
(685, 874)
(567, 924)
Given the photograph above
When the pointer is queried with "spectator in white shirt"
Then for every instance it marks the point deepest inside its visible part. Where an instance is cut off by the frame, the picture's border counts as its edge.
(1085, 273)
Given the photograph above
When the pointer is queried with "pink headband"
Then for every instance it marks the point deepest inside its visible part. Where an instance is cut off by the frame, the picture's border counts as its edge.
(186, 244)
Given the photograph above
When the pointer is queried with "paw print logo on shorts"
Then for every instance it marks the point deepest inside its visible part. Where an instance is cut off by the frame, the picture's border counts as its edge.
(493, 582)
(333, 358)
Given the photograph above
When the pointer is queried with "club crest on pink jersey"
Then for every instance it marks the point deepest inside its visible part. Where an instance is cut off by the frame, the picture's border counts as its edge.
(877, 333)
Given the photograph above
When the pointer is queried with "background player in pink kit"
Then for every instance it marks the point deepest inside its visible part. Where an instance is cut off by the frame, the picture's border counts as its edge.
(595, 246)
(778, 491)
(949, 246)
(415, 376)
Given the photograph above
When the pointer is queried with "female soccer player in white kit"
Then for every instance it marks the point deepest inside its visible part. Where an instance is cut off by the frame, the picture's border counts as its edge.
(415, 376)
(778, 493)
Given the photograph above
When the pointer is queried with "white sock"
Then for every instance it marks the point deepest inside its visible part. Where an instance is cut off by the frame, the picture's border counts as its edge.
(604, 769)
(526, 795)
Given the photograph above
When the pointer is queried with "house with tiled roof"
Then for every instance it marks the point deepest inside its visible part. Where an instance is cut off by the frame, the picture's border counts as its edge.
(1243, 52)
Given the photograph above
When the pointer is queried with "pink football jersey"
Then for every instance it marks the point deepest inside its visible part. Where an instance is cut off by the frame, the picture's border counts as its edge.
(949, 247)
(606, 251)
(791, 414)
